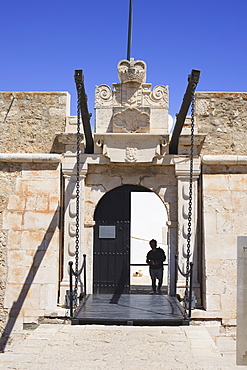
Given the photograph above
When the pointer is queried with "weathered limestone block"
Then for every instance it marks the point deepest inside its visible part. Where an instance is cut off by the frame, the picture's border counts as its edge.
(218, 201)
(46, 275)
(12, 220)
(35, 220)
(166, 180)
(28, 238)
(223, 116)
(238, 222)
(221, 246)
(213, 301)
(33, 118)
(47, 298)
(38, 203)
(224, 223)
(216, 284)
(112, 182)
(229, 302)
(16, 202)
(30, 187)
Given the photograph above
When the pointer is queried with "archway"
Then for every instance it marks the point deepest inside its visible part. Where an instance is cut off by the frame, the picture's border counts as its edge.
(122, 220)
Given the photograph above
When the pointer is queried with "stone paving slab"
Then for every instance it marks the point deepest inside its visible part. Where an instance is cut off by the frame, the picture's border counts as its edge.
(62, 346)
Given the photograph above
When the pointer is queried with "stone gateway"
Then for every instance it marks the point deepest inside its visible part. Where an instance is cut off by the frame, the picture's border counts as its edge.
(131, 155)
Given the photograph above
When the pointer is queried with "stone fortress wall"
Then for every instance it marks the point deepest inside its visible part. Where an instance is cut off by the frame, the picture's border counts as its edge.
(30, 199)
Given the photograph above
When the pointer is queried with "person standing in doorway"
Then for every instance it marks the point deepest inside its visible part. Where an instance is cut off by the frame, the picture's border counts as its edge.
(155, 259)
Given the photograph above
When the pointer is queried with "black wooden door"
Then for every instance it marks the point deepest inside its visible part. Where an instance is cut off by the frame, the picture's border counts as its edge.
(111, 259)
(111, 243)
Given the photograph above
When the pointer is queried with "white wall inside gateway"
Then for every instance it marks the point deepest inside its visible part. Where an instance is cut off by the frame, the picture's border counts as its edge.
(148, 221)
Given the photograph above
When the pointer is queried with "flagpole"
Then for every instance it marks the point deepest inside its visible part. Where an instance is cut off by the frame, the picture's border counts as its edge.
(129, 30)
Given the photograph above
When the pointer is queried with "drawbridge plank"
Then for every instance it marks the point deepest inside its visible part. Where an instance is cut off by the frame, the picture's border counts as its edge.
(130, 309)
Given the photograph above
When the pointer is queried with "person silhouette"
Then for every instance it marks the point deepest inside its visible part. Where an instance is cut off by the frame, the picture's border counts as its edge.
(155, 259)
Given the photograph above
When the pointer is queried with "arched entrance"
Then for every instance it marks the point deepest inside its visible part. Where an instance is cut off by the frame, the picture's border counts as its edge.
(123, 227)
(148, 221)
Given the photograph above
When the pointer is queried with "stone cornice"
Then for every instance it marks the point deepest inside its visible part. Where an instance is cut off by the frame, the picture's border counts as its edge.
(30, 157)
(225, 159)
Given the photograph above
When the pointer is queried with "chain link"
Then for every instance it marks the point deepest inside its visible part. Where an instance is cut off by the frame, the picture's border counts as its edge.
(77, 228)
(190, 189)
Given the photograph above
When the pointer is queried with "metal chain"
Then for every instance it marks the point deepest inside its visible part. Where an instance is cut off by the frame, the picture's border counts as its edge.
(190, 188)
(77, 229)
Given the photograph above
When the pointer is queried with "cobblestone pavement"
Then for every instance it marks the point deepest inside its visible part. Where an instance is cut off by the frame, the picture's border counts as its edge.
(62, 346)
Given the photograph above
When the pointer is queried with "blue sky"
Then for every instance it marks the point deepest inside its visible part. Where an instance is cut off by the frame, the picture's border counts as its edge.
(43, 42)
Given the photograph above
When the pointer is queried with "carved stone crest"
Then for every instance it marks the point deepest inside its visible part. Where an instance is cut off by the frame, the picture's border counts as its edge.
(131, 120)
(131, 154)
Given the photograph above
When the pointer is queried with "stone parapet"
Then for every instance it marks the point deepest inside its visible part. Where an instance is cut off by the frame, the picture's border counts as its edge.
(30, 120)
(223, 116)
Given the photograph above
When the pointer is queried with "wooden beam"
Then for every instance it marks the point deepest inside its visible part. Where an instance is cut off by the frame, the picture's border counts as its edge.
(85, 115)
(192, 79)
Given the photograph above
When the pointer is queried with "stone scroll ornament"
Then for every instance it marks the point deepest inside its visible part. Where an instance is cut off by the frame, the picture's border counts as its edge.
(158, 97)
(103, 95)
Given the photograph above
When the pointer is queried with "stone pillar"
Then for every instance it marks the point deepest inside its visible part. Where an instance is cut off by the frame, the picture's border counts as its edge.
(88, 250)
(182, 171)
(70, 228)
(172, 242)
(242, 301)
